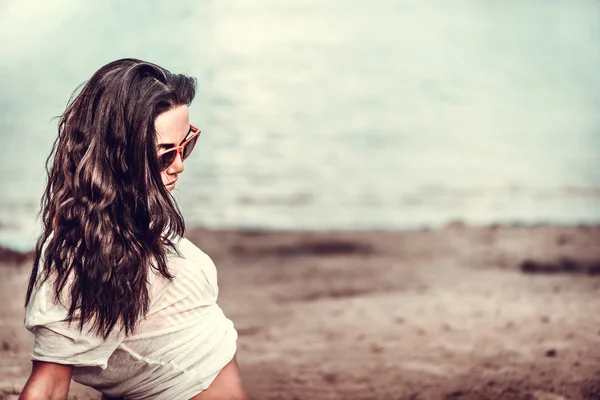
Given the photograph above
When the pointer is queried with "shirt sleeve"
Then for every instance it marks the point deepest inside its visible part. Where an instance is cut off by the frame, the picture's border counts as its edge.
(60, 342)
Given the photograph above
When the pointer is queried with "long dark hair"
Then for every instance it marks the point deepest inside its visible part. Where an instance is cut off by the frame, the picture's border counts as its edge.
(107, 217)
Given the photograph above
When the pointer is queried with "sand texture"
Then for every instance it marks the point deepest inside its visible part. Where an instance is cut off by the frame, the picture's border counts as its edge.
(456, 313)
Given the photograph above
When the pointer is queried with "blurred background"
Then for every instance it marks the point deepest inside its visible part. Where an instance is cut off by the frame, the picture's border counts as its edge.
(328, 115)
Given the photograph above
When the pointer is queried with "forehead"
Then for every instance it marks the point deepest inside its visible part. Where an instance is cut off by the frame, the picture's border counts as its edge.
(173, 125)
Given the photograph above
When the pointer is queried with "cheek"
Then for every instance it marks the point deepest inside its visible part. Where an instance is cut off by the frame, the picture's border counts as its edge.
(164, 177)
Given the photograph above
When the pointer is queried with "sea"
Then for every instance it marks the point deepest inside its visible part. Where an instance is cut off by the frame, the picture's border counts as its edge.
(330, 115)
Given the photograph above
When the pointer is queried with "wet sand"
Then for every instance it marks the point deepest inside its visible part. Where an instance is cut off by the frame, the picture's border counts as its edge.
(456, 313)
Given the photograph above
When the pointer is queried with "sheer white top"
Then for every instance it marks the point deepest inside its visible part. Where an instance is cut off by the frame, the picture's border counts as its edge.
(175, 353)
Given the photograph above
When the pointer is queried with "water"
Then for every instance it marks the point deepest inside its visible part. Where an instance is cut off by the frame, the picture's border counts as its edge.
(332, 115)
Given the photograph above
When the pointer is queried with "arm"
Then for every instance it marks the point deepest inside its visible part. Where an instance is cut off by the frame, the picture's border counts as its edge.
(48, 381)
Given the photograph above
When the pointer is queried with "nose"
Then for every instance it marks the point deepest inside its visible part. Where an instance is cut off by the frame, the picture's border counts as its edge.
(177, 165)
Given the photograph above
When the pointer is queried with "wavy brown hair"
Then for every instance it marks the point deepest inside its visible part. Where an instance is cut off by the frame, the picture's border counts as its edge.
(107, 217)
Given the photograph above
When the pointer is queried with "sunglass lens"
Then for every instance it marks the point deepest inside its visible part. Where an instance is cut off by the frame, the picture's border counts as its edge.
(187, 149)
(165, 160)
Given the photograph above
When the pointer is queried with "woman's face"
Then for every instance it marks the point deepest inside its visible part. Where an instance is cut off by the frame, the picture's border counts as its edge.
(172, 128)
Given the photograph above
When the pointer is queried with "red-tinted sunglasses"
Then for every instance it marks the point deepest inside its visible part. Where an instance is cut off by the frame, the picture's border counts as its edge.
(166, 157)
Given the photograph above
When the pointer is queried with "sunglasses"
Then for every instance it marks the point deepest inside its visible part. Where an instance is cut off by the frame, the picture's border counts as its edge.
(166, 157)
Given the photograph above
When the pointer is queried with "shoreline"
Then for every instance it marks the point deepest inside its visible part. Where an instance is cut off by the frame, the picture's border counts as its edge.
(13, 255)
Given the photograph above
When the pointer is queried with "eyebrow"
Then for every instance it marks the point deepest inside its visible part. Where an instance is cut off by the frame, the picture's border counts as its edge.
(164, 146)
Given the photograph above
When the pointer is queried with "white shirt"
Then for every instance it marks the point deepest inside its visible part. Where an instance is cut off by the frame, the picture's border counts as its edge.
(175, 353)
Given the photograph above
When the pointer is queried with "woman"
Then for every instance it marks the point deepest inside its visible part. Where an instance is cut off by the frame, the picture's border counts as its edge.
(118, 299)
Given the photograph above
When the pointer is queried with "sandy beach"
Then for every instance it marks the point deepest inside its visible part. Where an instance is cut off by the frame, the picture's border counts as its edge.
(456, 313)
